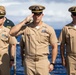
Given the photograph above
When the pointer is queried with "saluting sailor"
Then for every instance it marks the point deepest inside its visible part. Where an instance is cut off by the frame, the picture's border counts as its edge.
(37, 36)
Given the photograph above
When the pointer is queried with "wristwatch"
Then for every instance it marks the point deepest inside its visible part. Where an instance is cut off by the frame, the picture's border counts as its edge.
(11, 59)
(53, 64)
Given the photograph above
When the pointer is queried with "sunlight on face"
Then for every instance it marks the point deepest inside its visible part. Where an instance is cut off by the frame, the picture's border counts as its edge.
(37, 17)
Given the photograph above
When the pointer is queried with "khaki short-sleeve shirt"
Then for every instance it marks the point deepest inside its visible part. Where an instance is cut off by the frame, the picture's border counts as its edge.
(37, 39)
(68, 37)
(5, 40)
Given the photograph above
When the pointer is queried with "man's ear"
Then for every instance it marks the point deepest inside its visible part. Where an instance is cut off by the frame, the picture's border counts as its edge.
(42, 14)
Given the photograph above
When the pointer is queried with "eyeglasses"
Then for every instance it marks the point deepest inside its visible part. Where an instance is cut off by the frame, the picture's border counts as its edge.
(1, 17)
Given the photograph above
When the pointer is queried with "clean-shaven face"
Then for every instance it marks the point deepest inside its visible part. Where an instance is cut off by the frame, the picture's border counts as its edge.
(37, 17)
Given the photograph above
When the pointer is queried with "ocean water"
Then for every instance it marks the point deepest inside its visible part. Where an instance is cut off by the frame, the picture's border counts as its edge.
(58, 70)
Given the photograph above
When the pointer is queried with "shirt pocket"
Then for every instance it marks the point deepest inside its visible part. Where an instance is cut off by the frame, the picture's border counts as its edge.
(73, 44)
(28, 35)
(44, 37)
(4, 37)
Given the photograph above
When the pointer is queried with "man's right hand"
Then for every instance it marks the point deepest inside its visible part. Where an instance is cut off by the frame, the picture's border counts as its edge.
(28, 19)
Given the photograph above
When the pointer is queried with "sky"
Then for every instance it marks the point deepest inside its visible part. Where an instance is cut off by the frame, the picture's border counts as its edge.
(56, 13)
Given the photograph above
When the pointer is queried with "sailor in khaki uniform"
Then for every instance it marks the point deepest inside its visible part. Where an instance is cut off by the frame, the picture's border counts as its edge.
(68, 38)
(5, 40)
(38, 36)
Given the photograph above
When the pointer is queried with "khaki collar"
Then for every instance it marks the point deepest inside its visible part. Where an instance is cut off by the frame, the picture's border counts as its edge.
(71, 26)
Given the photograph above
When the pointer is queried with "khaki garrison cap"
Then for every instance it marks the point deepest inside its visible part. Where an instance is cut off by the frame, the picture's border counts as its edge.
(2, 11)
(72, 9)
(37, 8)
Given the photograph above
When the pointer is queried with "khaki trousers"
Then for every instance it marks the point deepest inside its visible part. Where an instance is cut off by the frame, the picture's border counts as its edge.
(4, 65)
(36, 67)
(71, 65)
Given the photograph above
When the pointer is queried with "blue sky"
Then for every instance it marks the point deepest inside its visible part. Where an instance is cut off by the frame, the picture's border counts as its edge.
(56, 13)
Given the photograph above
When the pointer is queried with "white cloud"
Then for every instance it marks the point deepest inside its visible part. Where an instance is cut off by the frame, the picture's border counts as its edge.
(54, 12)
